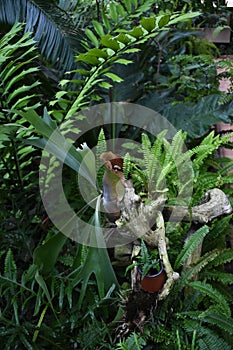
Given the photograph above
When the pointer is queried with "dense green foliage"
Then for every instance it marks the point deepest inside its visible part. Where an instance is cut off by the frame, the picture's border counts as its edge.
(56, 293)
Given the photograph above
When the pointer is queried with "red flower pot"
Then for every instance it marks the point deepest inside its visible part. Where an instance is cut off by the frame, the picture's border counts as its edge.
(153, 282)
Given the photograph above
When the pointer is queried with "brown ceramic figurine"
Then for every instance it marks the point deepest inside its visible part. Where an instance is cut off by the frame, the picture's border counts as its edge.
(113, 184)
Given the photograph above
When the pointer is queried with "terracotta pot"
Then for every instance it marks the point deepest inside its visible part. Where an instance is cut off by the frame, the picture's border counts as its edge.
(153, 282)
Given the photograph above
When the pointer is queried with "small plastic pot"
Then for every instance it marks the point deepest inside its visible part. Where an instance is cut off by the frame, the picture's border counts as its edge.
(153, 282)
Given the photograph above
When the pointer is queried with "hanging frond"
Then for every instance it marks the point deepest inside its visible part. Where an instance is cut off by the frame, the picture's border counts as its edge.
(52, 29)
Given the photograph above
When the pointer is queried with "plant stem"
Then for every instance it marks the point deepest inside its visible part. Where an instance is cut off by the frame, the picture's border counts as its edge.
(35, 335)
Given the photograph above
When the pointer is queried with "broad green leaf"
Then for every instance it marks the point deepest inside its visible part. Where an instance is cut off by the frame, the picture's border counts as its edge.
(105, 20)
(60, 94)
(134, 49)
(92, 37)
(123, 38)
(177, 18)
(98, 53)
(45, 256)
(114, 77)
(88, 58)
(98, 28)
(123, 61)
(137, 32)
(121, 11)
(105, 85)
(113, 12)
(128, 5)
(163, 21)
(110, 42)
(97, 262)
(148, 23)
(57, 145)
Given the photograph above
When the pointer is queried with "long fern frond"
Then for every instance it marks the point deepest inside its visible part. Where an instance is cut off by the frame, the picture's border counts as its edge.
(190, 245)
(213, 294)
(214, 317)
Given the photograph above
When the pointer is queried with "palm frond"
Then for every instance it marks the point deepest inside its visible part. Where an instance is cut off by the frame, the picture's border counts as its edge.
(52, 29)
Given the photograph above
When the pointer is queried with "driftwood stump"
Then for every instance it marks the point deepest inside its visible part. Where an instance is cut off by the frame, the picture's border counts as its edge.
(136, 218)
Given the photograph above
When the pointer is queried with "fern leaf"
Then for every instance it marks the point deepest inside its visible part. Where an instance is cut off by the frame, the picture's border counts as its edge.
(127, 165)
(101, 147)
(224, 256)
(225, 278)
(207, 339)
(188, 274)
(213, 294)
(220, 320)
(211, 341)
(10, 269)
(190, 245)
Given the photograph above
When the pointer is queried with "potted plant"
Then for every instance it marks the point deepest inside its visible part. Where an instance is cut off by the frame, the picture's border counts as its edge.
(150, 268)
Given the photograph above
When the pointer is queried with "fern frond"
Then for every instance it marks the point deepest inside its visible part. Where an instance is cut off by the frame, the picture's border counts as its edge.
(218, 231)
(127, 165)
(192, 271)
(101, 147)
(214, 295)
(157, 148)
(210, 340)
(206, 338)
(10, 269)
(133, 342)
(190, 245)
(215, 275)
(224, 256)
(214, 317)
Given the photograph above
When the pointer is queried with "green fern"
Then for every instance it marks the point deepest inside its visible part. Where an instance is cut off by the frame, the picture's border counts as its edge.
(214, 317)
(213, 294)
(10, 269)
(206, 338)
(220, 276)
(192, 271)
(190, 245)
(224, 256)
(133, 342)
(101, 147)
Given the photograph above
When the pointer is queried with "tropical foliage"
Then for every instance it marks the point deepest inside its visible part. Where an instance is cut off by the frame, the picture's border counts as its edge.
(60, 294)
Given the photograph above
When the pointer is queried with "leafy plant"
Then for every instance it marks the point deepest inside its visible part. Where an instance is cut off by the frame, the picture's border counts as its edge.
(133, 342)
(148, 262)
(52, 29)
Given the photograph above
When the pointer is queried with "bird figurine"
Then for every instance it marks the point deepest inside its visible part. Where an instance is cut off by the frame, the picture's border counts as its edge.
(113, 184)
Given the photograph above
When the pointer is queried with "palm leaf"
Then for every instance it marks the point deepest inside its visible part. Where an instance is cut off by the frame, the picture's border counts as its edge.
(52, 28)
